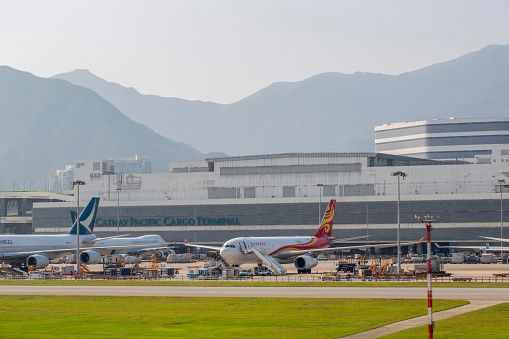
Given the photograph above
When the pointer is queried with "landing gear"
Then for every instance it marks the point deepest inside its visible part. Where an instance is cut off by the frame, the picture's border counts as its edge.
(304, 271)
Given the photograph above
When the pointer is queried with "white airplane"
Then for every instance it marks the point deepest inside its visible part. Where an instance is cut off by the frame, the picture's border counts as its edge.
(302, 250)
(38, 250)
(152, 244)
(486, 248)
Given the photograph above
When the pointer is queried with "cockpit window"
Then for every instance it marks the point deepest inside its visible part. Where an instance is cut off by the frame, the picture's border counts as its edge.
(230, 246)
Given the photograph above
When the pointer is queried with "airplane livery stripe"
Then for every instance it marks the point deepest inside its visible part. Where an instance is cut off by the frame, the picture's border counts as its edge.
(313, 244)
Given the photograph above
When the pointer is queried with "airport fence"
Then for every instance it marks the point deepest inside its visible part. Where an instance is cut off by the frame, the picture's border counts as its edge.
(272, 279)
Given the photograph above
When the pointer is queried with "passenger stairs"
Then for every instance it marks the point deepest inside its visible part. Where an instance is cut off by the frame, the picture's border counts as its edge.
(216, 260)
(269, 261)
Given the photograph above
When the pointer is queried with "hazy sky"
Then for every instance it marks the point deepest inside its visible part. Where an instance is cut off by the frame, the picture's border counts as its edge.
(223, 51)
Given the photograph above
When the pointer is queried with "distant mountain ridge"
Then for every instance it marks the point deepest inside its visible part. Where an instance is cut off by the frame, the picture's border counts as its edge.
(49, 123)
(329, 112)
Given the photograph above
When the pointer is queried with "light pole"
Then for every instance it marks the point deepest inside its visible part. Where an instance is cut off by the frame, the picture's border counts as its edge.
(320, 204)
(118, 189)
(78, 224)
(501, 183)
(399, 174)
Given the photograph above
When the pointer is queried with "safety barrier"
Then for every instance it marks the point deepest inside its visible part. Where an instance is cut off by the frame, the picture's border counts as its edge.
(282, 279)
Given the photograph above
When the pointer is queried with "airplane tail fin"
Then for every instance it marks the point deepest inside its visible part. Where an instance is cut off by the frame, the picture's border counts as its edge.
(86, 218)
(325, 228)
(73, 216)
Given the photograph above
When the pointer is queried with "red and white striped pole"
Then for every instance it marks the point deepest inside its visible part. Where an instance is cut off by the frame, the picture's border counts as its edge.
(428, 220)
(430, 296)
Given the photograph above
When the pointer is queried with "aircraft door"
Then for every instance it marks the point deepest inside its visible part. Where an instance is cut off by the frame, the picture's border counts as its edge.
(243, 247)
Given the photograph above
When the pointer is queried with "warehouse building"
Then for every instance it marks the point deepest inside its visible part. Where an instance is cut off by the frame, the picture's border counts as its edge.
(285, 194)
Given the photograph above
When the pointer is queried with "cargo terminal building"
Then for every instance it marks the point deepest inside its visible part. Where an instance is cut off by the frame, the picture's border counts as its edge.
(285, 194)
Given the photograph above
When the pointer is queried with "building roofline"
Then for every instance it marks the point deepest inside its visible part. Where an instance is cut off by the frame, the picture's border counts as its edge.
(404, 124)
(398, 158)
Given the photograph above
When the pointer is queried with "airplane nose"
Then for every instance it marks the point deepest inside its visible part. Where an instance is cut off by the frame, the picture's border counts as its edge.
(224, 252)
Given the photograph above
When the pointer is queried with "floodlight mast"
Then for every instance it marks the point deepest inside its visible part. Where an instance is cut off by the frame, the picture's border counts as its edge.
(118, 189)
(399, 174)
(501, 183)
(320, 204)
(78, 224)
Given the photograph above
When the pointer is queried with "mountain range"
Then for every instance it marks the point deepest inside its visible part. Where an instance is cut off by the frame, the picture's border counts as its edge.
(329, 112)
(49, 123)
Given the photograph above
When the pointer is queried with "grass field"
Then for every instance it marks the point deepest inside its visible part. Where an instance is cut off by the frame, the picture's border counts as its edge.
(180, 317)
(491, 322)
(152, 317)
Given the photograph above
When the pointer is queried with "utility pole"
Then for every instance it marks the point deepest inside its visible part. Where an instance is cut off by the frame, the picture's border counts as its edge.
(399, 174)
(78, 224)
(501, 183)
(118, 206)
(119, 188)
(320, 204)
(429, 220)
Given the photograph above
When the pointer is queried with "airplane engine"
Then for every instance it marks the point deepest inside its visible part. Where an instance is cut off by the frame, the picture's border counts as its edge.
(305, 263)
(38, 260)
(90, 257)
(159, 254)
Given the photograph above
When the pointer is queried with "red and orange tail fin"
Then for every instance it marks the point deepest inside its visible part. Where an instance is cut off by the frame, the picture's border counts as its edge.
(325, 228)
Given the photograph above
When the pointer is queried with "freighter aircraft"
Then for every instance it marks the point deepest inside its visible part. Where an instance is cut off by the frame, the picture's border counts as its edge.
(485, 249)
(302, 250)
(38, 250)
(151, 244)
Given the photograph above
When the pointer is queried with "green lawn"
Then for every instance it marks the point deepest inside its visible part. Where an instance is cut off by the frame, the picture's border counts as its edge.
(491, 322)
(151, 317)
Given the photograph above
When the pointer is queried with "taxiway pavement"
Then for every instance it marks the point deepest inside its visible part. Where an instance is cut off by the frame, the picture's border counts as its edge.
(486, 294)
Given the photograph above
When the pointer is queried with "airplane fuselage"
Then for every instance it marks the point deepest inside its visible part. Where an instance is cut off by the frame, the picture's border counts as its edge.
(237, 251)
(21, 243)
(148, 240)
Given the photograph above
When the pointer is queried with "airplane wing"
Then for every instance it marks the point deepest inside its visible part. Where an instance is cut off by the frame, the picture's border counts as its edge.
(93, 241)
(477, 248)
(496, 239)
(112, 237)
(486, 248)
(107, 249)
(348, 239)
(22, 256)
(214, 248)
(59, 252)
(317, 252)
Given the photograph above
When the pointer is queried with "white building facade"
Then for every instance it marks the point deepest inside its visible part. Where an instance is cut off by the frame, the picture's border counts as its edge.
(283, 194)
(461, 139)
